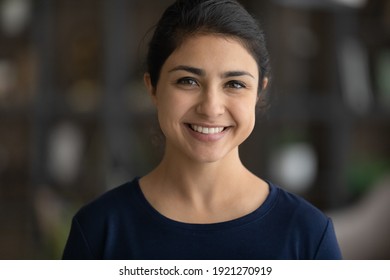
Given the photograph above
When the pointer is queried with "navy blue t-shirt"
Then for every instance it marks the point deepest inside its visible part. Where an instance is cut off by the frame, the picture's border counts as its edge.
(121, 224)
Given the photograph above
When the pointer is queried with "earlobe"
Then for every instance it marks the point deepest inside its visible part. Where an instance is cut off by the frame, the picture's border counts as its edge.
(265, 83)
(264, 87)
(151, 90)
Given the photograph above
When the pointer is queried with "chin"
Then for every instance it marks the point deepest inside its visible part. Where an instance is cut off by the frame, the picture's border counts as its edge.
(209, 157)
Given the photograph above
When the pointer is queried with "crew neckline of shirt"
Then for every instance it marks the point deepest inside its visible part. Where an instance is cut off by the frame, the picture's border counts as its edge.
(258, 213)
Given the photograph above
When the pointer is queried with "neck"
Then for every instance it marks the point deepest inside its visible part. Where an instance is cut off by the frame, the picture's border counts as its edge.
(198, 180)
(200, 192)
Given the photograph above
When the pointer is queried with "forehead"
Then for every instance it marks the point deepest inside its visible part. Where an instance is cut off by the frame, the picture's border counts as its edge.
(211, 51)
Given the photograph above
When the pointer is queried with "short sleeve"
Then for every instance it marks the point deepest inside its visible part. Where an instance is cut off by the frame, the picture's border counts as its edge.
(77, 247)
(328, 248)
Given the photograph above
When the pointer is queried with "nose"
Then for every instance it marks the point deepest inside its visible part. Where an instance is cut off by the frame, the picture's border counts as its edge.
(211, 103)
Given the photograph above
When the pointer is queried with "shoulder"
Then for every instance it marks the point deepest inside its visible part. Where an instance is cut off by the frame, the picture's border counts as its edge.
(307, 226)
(296, 206)
(296, 215)
(97, 223)
(110, 203)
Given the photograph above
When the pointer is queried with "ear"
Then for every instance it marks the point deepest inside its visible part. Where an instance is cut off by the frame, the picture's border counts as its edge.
(264, 87)
(151, 90)
(265, 83)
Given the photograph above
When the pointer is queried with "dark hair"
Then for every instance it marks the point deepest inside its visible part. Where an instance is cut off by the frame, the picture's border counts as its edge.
(188, 17)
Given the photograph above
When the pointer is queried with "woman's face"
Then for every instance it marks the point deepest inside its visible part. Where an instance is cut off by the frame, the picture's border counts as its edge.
(206, 98)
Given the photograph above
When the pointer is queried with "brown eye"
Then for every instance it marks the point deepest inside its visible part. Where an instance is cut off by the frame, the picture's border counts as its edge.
(187, 81)
(235, 85)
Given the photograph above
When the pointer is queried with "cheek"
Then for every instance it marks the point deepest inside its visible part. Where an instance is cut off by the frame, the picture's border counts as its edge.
(251, 120)
(246, 112)
(170, 105)
(170, 110)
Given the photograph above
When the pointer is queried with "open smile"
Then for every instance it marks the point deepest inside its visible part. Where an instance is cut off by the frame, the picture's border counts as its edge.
(206, 129)
(207, 132)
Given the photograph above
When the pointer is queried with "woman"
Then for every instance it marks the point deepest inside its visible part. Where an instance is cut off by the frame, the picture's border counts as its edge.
(207, 68)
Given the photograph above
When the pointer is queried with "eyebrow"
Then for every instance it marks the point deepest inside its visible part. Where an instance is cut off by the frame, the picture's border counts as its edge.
(201, 72)
(193, 70)
(230, 74)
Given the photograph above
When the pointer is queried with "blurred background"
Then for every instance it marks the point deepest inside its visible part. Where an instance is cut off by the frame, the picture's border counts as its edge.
(75, 119)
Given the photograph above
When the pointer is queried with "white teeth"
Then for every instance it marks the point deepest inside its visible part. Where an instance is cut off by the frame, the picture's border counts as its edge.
(207, 130)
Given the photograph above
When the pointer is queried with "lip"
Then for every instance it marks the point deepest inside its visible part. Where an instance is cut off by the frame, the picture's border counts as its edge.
(207, 137)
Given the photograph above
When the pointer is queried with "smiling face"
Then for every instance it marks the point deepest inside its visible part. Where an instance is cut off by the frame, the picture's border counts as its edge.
(206, 98)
